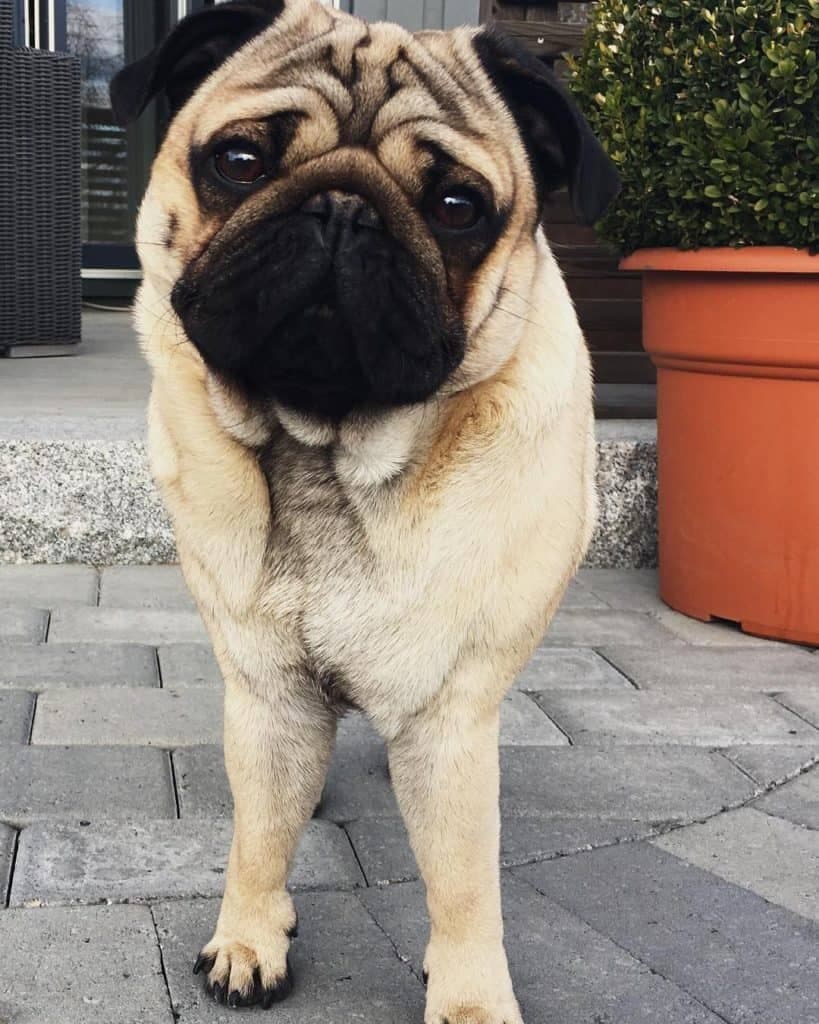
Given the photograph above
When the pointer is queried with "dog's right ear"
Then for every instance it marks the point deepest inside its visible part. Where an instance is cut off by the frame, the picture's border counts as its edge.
(192, 51)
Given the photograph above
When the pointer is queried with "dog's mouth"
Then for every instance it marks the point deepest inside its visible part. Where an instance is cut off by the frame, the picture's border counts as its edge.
(323, 319)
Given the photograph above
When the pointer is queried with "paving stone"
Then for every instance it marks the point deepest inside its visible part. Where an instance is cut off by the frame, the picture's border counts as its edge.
(579, 596)
(7, 840)
(635, 590)
(16, 712)
(523, 723)
(796, 801)
(358, 782)
(695, 718)
(58, 863)
(47, 586)
(126, 625)
(188, 665)
(357, 786)
(607, 628)
(141, 717)
(649, 784)
(562, 969)
(640, 784)
(708, 634)
(573, 668)
(804, 702)
(345, 967)
(201, 782)
(769, 764)
(144, 586)
(749, 848)
(81, 965)
(95, 783)
(750, 961)
(28, 624)
(719, 668)
(50, 666)
(383, 849)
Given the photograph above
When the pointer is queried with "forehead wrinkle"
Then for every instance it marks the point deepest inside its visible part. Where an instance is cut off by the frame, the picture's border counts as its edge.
(347, 40)
(469, 151)
(407, 106)
(437, 79)
(257, 106)
(330, 88)
(312, 53)
(400, 155)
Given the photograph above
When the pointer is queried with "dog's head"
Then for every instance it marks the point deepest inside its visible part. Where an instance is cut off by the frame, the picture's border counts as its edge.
(340, 210)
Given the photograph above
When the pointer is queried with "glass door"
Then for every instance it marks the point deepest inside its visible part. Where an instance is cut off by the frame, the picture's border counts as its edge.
(105, 34)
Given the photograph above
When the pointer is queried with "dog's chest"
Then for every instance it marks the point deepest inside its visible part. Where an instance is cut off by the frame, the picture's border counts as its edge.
(318, 537)
(368, 617)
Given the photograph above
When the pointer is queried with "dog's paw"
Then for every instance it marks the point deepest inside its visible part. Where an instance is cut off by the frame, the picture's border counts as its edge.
(247, 964)
(469, 986)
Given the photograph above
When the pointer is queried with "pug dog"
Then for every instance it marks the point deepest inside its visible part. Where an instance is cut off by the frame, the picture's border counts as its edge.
(371, 421)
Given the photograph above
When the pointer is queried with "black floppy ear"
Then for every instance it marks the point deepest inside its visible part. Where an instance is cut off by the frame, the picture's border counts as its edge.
(192, 51)
(561, 146)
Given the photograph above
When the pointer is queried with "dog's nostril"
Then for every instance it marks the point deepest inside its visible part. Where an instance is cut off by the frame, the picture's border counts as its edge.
(367, 217)
(338, 208)
(320, 205)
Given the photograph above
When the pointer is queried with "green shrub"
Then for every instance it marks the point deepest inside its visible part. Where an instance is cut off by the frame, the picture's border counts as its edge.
(712, 115)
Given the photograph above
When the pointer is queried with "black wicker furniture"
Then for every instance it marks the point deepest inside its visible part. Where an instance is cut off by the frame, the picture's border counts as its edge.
(40, 245)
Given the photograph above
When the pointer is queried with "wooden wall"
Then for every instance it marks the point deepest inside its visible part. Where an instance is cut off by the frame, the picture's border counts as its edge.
(608, 301)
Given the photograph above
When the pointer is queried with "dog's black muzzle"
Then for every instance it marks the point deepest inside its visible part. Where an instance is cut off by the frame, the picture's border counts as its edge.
(321, 309)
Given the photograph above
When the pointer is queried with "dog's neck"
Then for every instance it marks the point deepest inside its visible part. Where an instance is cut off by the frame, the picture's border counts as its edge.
(372, 448)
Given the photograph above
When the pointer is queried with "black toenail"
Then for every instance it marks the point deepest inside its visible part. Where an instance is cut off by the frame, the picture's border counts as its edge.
(203, 963)
(281, 990)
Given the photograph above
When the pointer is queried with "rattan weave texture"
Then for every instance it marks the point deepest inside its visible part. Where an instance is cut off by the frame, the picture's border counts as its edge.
(40, 244)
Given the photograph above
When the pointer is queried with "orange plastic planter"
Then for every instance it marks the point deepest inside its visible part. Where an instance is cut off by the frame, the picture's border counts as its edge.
(734, 334)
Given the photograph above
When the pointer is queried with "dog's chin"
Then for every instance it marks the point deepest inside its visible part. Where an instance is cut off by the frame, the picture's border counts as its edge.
(315, 363)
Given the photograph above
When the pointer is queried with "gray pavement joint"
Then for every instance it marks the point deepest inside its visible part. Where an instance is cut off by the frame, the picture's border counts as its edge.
(633, 954)
(792, 710)
(666, 828)
(403, 960)
(162, 966)
(601, 653)
(346, 832)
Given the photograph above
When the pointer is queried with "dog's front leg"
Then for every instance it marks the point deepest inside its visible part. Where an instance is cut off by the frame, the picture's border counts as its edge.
(444, 767)
(276, 750)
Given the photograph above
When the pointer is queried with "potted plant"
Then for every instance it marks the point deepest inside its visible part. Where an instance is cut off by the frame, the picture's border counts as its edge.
(711, 111)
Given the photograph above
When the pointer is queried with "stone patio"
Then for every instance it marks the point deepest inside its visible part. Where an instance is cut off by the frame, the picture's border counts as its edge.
(660, 812)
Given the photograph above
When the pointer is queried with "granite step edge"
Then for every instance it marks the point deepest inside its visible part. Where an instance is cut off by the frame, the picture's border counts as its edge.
(93, 500)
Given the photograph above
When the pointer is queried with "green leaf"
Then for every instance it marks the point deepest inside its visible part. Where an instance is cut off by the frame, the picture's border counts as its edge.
(711, 113)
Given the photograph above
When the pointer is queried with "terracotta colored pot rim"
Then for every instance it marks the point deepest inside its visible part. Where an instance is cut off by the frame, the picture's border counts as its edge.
(753, 259)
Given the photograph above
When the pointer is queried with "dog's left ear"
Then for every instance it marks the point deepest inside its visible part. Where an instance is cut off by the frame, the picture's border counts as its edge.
(193, 51)
(561, 146)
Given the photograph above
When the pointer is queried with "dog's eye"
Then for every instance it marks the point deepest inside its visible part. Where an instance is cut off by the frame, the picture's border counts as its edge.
(240, 163)
(458, 209)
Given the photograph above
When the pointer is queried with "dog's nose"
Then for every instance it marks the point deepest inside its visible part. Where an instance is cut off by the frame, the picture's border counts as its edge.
(339, 210)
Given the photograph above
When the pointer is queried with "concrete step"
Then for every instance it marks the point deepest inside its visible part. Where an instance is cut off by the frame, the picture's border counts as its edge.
(71, 492)
(75, 486)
